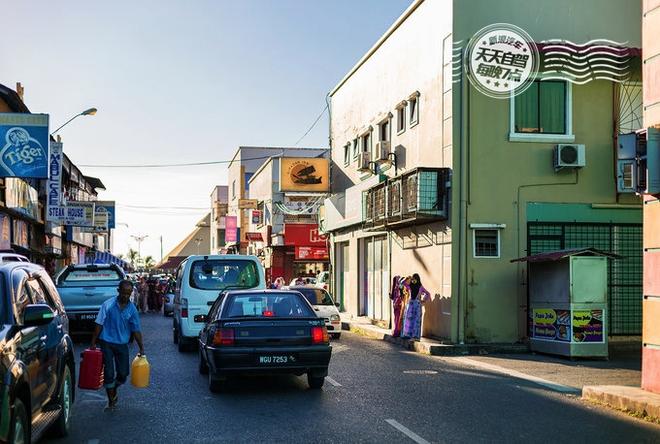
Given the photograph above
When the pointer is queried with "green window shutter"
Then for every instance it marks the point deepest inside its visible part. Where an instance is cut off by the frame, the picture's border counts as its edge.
(527, 110)
(552, 98)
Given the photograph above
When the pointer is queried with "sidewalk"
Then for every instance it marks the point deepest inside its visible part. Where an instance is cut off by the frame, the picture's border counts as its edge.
(614, 382)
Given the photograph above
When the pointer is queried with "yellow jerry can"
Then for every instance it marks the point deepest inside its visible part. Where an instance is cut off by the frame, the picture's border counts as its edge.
(140, 372)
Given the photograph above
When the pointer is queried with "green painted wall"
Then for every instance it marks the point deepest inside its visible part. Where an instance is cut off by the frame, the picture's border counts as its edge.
(501, 178)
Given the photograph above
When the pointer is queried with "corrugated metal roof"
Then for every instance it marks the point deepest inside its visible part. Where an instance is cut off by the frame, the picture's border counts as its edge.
(551, 256)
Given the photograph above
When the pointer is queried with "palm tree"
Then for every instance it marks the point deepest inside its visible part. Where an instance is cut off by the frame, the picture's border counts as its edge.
(133, 257)
(149, 262)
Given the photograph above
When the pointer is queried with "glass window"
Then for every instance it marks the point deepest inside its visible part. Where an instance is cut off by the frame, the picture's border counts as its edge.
(413, 104)
(217, 274)
(356, 148)
(90, 275)
(277, 304)
(366, 142)
(486, 243)
(347, 154)
(401, 119)
(541, 108)
(384, 130)
(316, 296)
(22, 300)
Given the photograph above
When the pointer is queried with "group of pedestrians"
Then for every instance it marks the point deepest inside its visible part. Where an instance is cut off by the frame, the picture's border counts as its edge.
(408, 294)
(148, 293)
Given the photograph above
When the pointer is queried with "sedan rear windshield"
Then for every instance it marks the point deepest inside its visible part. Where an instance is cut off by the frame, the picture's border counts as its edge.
(218, 274)
(261, 305)
(316, 296)
(91, 276)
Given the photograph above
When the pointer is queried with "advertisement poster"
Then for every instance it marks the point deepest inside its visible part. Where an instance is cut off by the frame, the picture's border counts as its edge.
(5, 232)
(231, 234)
(552, 324)
(24, 145)
(588, 326)
(257, 217)
(304, 174)
(304, 235)
(54, 186)
(312, 253)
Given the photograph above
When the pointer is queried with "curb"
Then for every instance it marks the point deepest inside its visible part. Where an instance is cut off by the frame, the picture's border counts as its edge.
(631, 400)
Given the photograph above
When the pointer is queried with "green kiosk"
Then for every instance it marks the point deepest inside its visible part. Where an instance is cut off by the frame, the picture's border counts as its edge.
(568, 302)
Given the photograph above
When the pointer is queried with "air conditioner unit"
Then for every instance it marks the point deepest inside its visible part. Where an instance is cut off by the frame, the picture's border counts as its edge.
(383, 150)
(363, 164)
(569, 156)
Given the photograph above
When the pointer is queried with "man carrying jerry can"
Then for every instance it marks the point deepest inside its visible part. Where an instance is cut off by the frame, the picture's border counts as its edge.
(117, 320)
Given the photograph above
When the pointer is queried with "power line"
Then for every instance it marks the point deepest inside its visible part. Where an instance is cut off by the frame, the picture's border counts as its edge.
(168, 165)
(313, 125)
(157, 207)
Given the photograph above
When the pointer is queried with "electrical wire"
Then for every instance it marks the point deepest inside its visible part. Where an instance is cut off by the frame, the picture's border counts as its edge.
(157, 207)
(313, 125)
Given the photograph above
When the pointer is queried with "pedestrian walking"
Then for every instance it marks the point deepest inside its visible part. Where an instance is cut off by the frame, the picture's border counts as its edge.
(412, 322)
(117, 322)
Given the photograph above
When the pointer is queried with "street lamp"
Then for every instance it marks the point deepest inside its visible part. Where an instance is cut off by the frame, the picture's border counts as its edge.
(198, 241)
(139, 240)
(87, 112)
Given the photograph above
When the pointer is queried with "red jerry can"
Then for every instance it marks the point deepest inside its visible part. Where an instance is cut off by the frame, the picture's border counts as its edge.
(90, 376)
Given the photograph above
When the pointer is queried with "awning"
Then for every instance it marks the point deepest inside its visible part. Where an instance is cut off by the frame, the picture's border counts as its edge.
(551, 256)
(104, 257)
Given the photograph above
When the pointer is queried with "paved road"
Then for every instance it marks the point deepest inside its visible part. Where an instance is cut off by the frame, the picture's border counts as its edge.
(381, 394)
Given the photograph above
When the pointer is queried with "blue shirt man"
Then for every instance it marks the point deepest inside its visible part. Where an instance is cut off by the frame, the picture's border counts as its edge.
(117, 320)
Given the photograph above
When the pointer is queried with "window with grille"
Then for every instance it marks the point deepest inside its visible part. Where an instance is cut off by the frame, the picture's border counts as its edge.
(486, 243)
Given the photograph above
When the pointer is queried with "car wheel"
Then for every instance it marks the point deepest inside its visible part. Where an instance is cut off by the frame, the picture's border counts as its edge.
(203, 366)
(61, 426)
(217, 385)
(335, 335)
(20, 427)
(315, 382)
(175, 335)
(182, 344)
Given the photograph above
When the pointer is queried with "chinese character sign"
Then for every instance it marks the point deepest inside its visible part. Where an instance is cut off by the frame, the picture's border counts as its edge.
(501, 59)
(24, 145)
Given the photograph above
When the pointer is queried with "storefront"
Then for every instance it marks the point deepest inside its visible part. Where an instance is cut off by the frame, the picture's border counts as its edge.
(306, 250)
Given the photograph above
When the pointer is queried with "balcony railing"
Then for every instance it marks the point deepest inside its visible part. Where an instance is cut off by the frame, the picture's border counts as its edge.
(415, 197)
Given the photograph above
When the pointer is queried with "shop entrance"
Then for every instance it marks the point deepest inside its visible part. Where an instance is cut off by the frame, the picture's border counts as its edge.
(377, 275)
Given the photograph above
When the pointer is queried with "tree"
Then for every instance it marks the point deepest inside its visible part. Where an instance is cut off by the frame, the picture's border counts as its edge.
(149, 262)
(132, 257)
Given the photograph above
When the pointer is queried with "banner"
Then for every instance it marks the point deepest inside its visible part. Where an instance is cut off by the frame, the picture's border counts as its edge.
(304, 174)
(587, 326)
(231, 234)
(24, 145)
(54, 186)
(76, 214)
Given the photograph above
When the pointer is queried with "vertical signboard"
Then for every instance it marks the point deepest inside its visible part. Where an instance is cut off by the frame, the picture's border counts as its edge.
(5, 232)
(231, 234)
(54, 187)
(24, 145)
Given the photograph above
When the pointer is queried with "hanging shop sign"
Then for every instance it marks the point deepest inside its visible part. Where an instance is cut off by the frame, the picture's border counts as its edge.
(231, 229)
(257, 217)
(247, 204)
(76, 214)
(53, 245)
(312, 253)
(304, 174)
(5, 232)
(254, 236)
(22, 197)
(108, 207)
(54, 185)
(24, 145)
(303, 235)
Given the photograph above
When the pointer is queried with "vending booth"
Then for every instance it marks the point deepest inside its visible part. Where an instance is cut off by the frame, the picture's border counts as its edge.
(567, 308)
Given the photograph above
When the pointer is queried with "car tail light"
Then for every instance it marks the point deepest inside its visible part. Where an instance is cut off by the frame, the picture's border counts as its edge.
(268, 313)
(223, 336)
(320, 335)
(184, 307)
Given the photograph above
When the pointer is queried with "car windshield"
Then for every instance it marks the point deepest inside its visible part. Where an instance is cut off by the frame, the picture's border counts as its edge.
(217, 274)
(279, 305)
(316, 296)
(90, 275)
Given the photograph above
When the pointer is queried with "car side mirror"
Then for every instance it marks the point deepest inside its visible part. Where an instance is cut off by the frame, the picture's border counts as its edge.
(37, 314)
(337, 304)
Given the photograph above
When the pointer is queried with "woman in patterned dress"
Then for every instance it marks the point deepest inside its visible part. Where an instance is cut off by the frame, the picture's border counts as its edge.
(412, 323)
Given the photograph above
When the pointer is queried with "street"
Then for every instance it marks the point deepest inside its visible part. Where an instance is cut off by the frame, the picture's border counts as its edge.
(376, 392)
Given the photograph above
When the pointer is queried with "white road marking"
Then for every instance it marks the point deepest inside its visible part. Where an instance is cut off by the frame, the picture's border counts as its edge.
(406, 431)
(513, 373)
(332, 381)
(420, 372)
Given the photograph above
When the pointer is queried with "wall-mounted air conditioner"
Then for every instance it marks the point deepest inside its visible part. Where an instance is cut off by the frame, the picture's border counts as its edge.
(363, 164)
(569, 156)
(383, 150)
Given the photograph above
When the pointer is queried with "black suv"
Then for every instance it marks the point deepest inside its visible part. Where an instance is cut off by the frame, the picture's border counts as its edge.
(37, 370)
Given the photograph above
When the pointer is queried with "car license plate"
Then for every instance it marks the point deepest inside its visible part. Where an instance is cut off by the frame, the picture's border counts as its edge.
(87, 317)
(273, 359)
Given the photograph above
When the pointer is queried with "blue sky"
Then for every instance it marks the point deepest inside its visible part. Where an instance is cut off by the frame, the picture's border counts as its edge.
(181, 81)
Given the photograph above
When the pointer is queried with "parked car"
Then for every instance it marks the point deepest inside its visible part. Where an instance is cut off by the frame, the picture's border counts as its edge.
(268, 331)
(168, 299)
(323, 280)
(13, 257)
(324, 306)
(303, 280)
(199, 282)
(37, 370)
(83, 288)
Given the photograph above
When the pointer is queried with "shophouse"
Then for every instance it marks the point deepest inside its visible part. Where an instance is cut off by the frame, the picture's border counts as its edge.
(219, 199)
(283, 229)
(243, 165)
(430, 175)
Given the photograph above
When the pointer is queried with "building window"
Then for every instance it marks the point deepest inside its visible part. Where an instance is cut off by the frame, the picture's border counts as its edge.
(347, 154)
(544, 108)
(486, 243)
(384, 130)
(401, 118)
(233, 190)
(366, 142)
(356, 148)
(413, 109)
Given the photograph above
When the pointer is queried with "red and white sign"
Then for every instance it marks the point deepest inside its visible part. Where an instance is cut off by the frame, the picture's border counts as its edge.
(254, 237)
(312, 253)
(306, 235)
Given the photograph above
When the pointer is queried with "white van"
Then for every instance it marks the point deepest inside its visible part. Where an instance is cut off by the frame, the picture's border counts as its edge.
(199, 282)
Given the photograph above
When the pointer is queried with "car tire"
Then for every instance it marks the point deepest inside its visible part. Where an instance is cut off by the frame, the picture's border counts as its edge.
(203, 366)
(175, 335)
(61, 427)
(19, 426)
(182, 345)
(217, 385)
(336, 336)
(315, 382)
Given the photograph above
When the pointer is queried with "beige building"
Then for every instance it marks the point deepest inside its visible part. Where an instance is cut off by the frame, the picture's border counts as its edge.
(219, 199)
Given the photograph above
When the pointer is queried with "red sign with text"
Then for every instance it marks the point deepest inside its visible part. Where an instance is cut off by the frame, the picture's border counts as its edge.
(306, 235)
(312, 253)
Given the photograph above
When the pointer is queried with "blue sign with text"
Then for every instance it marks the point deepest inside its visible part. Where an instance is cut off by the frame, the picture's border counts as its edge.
(24, 145)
